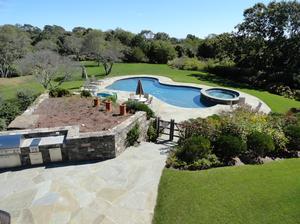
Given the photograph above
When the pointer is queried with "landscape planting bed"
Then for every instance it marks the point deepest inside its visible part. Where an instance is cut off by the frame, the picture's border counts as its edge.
(67, 111)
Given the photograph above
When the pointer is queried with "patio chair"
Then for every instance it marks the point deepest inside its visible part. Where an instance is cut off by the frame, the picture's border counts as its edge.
(148, 102)
(258, 107)
(146, 95)
(242, 101)
(131, 96)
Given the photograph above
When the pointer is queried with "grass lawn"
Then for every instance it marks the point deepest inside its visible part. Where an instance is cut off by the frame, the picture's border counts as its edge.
(249, 194)
(8, 87)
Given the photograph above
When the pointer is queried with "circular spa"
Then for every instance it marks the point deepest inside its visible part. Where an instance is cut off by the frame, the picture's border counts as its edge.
(213, 96)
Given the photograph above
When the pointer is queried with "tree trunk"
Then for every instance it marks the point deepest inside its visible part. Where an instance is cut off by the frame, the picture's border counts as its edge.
(84, 74)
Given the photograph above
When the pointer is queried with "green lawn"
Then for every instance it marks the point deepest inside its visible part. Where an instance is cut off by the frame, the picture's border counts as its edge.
(256, 194)
(8, 87)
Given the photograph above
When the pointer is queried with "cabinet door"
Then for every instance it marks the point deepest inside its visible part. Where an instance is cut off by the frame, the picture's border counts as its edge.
(36, 158)
(55, 154)
(10, 160)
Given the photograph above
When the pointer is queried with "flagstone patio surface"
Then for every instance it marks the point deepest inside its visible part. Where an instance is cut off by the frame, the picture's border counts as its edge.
(117, 191)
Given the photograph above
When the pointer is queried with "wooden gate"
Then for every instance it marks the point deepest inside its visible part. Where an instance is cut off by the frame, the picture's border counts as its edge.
(170, 128)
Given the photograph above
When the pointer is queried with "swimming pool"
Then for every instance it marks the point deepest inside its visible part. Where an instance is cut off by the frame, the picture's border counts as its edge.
(180, 96)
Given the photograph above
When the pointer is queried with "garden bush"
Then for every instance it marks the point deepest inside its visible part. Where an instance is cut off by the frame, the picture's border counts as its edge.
(209, 128)
(9, 110)
(293, 134)
(151, 133)
(85, 93)
(260, 144)
(2, 124)
(193, 148)
(133, 135)
(228, 146)
(112, 98)
(210, 161)
(185, 63)
(25, 98)
(137, 106)
(59, 92)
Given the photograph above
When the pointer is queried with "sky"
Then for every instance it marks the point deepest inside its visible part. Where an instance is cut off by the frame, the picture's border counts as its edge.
(175, 17)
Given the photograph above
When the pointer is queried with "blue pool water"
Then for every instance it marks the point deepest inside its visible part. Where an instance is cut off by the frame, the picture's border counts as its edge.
(180, 96)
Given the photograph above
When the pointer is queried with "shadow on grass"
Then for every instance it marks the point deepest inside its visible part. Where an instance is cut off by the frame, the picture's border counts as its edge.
(221, 81)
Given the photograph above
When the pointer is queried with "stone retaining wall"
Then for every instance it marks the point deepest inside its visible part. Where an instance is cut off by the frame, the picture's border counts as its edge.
(86, 146)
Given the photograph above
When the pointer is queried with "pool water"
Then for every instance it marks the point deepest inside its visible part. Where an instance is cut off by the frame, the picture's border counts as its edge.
(222, 94)
(180, 96)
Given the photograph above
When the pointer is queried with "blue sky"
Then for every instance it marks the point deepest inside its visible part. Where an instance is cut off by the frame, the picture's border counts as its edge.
(176, 17)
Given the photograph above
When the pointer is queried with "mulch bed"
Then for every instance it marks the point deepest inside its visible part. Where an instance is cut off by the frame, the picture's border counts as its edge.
(67, 111)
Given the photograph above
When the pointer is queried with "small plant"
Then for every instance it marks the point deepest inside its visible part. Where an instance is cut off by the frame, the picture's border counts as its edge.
(228, 146)
(260, 144)
(137, 106)
(9, 110)
(58, 92)
(85, 93)
(112, 98)
(25, 98)
(133, 135)
(151, 133)
(2, 124)
(194, 148)
(293, 134)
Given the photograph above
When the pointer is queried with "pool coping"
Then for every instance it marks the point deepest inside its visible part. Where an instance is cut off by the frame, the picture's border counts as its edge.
(193, 112)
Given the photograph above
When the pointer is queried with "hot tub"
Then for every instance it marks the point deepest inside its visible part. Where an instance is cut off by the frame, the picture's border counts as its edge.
(213, 96)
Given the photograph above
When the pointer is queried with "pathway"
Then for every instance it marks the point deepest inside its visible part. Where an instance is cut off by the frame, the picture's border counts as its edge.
(121, 190)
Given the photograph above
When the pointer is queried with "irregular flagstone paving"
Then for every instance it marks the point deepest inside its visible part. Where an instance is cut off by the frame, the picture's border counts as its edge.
(118, 191)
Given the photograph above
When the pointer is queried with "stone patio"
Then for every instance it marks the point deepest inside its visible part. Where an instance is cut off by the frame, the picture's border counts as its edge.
(117, 191)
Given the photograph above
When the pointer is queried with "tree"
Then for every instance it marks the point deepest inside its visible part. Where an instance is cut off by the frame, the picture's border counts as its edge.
(161, 36)
(102, 51)
(14, 43)
(46, 45)
(268, 41)
(161, 52)
(73, 45)
(110, 54)
(49, 68)
(93, 45)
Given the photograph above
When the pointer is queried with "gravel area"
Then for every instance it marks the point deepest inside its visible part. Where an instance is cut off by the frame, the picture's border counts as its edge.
(54, 112)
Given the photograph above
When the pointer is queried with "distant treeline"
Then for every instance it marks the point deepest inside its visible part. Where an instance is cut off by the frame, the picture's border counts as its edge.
(263, 50)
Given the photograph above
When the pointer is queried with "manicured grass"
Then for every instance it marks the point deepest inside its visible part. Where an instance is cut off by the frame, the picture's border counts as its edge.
(268, 194)
(8, 87)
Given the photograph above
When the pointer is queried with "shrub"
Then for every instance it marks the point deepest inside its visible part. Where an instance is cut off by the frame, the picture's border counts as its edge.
(260, 144)
(112, 98)
(9, 110)
(133, 135)
(2, 124)
(209, 128)
(185, 63)
(293, 134)
(137, 106)
(193, 148)
(205, 163)
(151, 133)
(228, 146)
(85, 93)
(58, 92)
(25, 98)
(210, 161)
